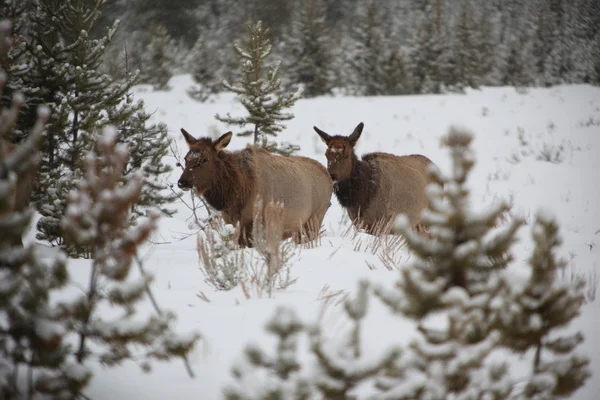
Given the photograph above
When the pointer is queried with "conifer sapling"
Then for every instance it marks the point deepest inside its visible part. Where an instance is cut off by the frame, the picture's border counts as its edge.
(535, 312)
(97, 217)
(258, 93)
(34, 355)
(284, 379)
(456, 272)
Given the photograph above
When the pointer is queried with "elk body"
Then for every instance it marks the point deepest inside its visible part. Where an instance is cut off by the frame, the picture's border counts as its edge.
(377, 188)
(233, 182)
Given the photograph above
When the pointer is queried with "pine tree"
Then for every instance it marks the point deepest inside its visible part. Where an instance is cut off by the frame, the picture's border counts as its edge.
(210, 60)
(16, 63)
(205, 64)
(155, 59)
(65, 75)
(310, 61)
(467, 66)
(595, 61)
(67, 63)
(546, 35)
(455, 272)
(534, 313)
(344, 366)
(430, 58)
(287, 380)
(258, 93)
(341, 366)
(520, 63)
(368, 57)
(517, 40)
(148, 144)
(33, 349)
(97, 218)
(488, 59)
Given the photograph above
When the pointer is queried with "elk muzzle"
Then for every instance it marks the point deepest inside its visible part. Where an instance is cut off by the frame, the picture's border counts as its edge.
(184, 184)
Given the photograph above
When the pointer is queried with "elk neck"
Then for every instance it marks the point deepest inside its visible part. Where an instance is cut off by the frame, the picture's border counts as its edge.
(359, 188)
(230, 185)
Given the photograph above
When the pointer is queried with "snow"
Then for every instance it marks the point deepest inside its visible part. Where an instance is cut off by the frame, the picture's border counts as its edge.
(230, 320)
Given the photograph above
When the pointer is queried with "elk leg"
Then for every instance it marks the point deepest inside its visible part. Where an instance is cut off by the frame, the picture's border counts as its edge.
(309, 232)
(245, 239)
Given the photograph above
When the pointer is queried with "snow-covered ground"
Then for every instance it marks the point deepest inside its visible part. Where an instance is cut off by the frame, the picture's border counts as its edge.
(511, 131)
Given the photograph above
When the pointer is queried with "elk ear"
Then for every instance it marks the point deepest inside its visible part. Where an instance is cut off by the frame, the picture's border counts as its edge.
(190, 140)
(356, 134)
(222, 142)
(324, 137)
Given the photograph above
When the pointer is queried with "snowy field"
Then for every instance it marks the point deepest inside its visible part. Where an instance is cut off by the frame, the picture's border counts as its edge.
(512, 132)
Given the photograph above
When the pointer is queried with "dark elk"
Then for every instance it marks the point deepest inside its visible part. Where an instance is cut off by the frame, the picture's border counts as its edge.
(378, 187)
(233, 182)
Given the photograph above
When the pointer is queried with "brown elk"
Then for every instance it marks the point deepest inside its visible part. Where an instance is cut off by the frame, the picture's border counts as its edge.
(380, 186)
(233, 182)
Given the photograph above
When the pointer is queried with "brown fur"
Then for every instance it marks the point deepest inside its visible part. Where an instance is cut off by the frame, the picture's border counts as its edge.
(232, 182)
(380, 186)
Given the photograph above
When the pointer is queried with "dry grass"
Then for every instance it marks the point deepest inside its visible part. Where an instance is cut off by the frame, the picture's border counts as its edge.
(387, 247)
(328, 296)
(571, 273)
(260, 270)
(220, 263)
(273, 273)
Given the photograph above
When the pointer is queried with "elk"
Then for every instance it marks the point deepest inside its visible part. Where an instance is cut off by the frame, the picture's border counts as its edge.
(233, 183)
(377, 188)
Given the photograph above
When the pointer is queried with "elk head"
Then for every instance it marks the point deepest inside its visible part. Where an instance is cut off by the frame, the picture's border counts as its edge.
(201, 162)
(340, 152)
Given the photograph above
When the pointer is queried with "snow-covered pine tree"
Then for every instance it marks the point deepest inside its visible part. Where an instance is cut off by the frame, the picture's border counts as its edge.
(595, 61)
(67, 64)
(156, 63)
(520, 63)
(258, 93)
(533, 314)
(33, 353)
(569, 58)
(341, 365)
(367, 59)
(281, 374)
(467, 68)
(516, 55)
(148, 144)
(97, 218)
(430, 59)
(66, 76)
(16, 64)
(205, 65)
(310, 59)
(546, 34)
(487, 45)
(209, 61)
(455, 273)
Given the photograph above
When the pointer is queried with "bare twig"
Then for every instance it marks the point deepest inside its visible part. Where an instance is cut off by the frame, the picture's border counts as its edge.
(202, 295)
